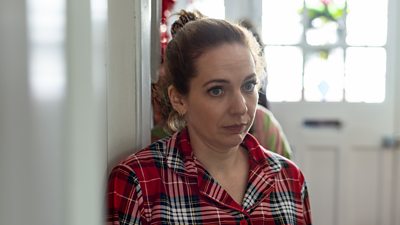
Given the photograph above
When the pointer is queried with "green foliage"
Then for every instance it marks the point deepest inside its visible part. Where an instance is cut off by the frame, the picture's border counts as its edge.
(326, 12)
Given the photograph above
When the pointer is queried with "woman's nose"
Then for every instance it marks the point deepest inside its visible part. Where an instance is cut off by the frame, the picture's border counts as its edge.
(238, 104)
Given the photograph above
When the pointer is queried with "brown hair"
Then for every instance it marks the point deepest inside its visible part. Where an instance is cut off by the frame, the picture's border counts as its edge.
(192, 35)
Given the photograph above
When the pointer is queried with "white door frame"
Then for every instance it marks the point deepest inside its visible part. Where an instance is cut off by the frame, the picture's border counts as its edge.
(128, 98)
(394, 7)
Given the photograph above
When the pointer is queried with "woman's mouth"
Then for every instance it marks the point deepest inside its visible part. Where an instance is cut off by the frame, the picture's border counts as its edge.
(236, 129)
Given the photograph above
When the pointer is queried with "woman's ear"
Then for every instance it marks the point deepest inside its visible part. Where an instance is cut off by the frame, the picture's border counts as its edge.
(177, 100)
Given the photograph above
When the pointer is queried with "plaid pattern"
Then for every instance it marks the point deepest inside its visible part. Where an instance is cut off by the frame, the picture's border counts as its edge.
(165, 184)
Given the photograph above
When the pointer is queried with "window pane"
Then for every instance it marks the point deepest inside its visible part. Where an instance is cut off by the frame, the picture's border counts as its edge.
(365, 74)
(282, 21)
(284, 67)
(324, 21)
(323, 76)
(210, 8)
(367, 22)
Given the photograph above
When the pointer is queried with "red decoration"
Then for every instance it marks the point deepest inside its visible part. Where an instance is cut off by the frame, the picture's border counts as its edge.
(166, 7)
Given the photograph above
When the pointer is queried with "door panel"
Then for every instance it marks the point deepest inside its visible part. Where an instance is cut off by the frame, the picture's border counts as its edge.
(338, 147)
(363, 186)
(326, 159)
(396, 203)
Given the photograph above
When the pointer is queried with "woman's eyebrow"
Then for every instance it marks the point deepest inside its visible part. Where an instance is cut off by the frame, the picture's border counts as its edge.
(222, 81)
(250, 77)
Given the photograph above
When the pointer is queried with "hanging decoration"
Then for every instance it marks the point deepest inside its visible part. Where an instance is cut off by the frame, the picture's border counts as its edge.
(166, 7)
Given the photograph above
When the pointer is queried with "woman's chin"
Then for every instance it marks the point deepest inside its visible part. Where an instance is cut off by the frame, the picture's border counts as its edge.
(234, 140)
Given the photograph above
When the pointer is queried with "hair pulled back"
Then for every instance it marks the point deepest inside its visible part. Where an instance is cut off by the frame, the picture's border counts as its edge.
(192, 35)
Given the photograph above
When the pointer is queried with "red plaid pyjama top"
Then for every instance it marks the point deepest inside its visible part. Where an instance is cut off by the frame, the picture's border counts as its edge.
(165, 184)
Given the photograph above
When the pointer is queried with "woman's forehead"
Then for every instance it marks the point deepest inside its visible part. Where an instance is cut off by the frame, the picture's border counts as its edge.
(225, 60)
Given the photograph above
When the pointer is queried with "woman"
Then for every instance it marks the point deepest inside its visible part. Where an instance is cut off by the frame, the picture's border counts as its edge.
(211, 171)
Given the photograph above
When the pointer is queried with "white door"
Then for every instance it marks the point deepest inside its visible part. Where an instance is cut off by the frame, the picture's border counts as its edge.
(338, 147)
(396, 188)
(334, 95)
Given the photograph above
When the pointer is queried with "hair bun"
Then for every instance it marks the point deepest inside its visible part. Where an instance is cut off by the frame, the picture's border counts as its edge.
(184, 18)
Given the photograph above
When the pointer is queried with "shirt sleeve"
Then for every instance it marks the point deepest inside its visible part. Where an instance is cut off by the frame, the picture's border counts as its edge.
(124, 197)
(269, 133)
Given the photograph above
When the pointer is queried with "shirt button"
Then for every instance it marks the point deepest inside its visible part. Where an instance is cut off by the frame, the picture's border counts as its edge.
(243, 222)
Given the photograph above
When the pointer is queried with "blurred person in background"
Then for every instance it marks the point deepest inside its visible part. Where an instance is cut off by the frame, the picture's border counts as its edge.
(266, 127)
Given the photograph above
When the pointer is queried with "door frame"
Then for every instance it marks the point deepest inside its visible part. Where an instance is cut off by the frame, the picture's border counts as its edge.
(129, 76)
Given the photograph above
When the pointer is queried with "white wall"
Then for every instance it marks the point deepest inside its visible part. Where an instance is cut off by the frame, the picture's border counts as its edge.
(53, 141)
(121, 82)
(129, 105)
(73, 101)
(395, 207)
(85, 160)
(15, 133)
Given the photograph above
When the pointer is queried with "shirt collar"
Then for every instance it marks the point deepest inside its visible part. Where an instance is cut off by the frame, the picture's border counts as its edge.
(179, 155)
(260, 157)
(264, 166)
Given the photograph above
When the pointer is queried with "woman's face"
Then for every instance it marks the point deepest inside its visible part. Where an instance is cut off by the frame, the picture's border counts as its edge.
(222, 98)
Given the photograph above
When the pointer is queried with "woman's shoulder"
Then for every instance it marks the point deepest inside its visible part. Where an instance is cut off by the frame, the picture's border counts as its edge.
(264, 156)
(282, 160)
(151, 156)
(284, 165)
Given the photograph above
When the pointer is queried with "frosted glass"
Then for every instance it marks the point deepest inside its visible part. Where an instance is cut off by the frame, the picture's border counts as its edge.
(319, 3)
(365, 78)
(323, 76)
(210, 8)
(281, 21)
(326, 33)
(367, 22)
(344, 45)
(325, 21)
(284, 68)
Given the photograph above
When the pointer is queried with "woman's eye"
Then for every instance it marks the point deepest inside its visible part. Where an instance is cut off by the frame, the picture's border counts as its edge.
(216, 91)
(249, 87)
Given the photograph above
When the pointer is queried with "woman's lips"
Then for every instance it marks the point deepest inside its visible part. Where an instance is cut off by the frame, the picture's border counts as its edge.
(236, 129)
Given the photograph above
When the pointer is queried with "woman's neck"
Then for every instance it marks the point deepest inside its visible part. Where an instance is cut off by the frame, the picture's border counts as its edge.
(229, 167)
(216, 156)
(217, 159)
